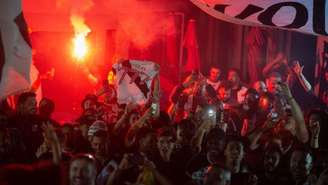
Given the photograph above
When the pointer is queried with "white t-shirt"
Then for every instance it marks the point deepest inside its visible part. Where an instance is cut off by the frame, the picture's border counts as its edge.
(215, 85)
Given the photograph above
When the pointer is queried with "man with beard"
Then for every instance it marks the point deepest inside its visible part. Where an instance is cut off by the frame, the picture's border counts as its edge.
(234, 155)
(26, 126)
(301, 163)
(167, 162)
(46, 109)
(230, 121)
(238, 88)
(269, 174)
(82, 170)
(214, 78)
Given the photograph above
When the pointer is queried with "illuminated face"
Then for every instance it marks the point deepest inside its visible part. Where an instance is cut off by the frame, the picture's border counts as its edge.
(314, 118)
(233, 77)
(214, 74)
(183, 135)
(215, 144)
(234, 151)
(82, 172)
(273, 84)
(271, 161)
(29, 107)
(89, 104)
(165, 146)
(300, 165)
(146, 143)
(98, 145)
(224, 94)
(260, 87)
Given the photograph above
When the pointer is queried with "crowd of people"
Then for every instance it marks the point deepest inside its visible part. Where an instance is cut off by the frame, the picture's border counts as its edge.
(217, 131)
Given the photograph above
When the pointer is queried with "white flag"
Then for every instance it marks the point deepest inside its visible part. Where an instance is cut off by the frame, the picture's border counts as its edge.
(308, 16)
(15, 49)
(133, 80)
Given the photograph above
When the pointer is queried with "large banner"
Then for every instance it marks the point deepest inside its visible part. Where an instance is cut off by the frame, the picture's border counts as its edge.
(15, 50)
(133, 80)
(307, 16)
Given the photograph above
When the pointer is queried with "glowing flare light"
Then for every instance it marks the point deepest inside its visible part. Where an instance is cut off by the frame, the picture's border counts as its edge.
(80, 45)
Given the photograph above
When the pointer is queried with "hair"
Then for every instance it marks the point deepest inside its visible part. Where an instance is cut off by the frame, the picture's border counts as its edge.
(166, 132)
(274, 74)
(234, 70)
(86, 157)
(303, 149)
(272, 147)
(101, 133)
(87, 97)
(225, 84)
(186, 124)
(238, 139)
(49, 107)
(318, 112)
(252, 91)
(215, 67)
(24, 96)
(162, 121)
(143, 132)
(216, 134)
(68, 125)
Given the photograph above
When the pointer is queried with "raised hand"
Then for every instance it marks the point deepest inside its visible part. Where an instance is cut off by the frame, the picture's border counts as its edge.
(284, 89)
(314, 128)
(49, 133)
(125, 162)
(297, 68)
(43, 148)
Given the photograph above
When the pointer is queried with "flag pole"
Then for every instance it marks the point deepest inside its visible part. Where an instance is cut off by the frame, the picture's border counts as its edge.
(181, 44)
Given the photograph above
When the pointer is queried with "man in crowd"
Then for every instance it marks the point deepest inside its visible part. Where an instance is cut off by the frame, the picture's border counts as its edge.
(214, 77)
(238, 89)
(27, 126)
(82, 170)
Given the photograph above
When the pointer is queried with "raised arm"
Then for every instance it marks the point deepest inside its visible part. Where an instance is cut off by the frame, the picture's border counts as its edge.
(123, 119)
(51, 136)
(141, 122)
(298, 69)
(314, 128)
(300, 127)
(279, 60)
(204, 128)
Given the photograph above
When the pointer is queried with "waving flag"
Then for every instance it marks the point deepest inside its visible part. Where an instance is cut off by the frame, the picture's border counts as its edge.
(308, 16)
(321, 67)
(133, 80)
(15, 49)
(191, 45)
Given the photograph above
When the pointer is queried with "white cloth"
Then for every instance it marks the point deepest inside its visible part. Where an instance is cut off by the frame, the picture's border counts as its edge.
(215, 85)
(15, 77)
(133, 80)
